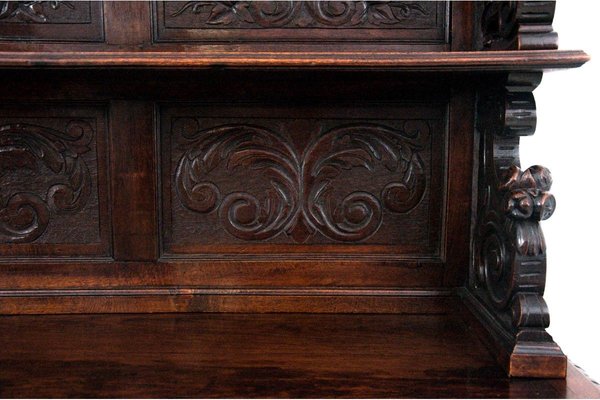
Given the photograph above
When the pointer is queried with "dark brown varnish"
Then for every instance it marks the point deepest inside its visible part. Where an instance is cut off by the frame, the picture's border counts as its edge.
(259, 355)
(243, 158)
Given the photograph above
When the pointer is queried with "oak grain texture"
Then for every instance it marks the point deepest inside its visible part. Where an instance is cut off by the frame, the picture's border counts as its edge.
(258, 355)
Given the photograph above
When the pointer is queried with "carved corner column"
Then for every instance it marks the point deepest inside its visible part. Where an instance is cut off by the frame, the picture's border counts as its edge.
(508, 273)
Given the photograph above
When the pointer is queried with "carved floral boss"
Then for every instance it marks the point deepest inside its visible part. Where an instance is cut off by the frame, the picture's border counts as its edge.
(299, 200)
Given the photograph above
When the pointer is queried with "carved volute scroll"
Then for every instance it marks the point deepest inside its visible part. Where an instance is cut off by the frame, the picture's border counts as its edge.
(301, 199)
(509, 268)
(517, 25)
(24, 215)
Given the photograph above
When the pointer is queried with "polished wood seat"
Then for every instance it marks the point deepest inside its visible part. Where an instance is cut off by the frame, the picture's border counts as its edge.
(259, 355)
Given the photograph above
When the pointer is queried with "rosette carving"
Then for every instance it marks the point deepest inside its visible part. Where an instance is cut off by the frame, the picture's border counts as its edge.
(301, 198)
(24, 216)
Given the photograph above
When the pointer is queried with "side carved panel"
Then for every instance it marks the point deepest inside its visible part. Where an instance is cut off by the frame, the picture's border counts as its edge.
(517, 25)
(302, 181)
(52, 177)
(411, 21)
(51, 20)
(509, 267)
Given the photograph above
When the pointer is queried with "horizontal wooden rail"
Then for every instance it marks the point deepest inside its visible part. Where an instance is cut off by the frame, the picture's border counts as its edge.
(425, 61)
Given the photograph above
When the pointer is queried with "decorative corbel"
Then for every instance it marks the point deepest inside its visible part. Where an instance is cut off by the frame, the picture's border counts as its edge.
(508, 272)
(517, 25)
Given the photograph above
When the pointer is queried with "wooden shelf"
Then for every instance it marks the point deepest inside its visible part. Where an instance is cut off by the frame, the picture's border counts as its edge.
(434, 61)
(259, 355)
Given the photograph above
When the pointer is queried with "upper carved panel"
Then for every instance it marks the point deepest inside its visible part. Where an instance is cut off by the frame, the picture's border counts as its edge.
(51, 20)
(300, 20)
(303, 14)
(301, 181)
(50, 180)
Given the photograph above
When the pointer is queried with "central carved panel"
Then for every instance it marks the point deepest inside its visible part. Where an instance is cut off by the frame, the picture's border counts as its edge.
(302, 180)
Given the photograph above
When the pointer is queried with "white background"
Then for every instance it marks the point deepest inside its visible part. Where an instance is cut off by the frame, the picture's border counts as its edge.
(567, 141)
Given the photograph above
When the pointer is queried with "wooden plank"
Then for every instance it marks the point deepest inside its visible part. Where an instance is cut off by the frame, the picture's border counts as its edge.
(259, 355)
(173, 299)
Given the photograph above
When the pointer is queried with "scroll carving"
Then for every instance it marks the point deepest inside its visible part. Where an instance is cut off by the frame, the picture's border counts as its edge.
(509, 266)
(24, 215)
(279, 14)
(30, 11)
(299, 200)
(518, 25)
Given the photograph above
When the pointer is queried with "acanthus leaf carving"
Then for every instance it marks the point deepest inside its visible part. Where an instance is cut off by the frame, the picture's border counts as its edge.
(30, 11)
(25, 216)
(299, 200)
(279, 14)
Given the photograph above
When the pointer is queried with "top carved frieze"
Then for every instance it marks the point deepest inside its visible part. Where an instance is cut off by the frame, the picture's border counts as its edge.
(408, 21)
(303, 14)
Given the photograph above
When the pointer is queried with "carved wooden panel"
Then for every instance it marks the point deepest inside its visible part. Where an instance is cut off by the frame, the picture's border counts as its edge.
(399, 21)
(267, 180)
(53, 197)
(79, 21)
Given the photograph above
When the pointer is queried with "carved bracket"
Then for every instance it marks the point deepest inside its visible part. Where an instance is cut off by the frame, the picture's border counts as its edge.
(517, 25)
(509, 267)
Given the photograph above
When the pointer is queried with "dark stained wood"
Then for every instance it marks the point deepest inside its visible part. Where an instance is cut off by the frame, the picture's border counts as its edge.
(174, 299)
(258, 355)
(365, 179)
(304, 270)
(294, 157)
(408, 23)
(133, 181)
(126, 22)
(51, 21)
(438, 61)
(519, 25)
(508, 275)
(54, 199)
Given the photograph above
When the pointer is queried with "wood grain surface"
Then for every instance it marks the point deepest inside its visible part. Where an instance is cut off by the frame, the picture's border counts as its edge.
(258, 355)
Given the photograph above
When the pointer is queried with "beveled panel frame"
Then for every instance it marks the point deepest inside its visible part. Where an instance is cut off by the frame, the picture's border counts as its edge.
(52, 21)
(322, 241)
(64, 147)
(408, 23)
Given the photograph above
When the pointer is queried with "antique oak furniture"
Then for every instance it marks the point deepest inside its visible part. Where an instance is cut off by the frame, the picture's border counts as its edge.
(337, 182)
